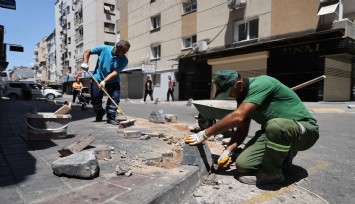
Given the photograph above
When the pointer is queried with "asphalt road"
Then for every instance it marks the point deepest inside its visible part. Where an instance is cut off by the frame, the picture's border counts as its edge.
(326, 170)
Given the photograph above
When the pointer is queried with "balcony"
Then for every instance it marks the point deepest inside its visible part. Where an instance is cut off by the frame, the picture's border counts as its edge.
(79, 38)
(346, 24)
(78, 22)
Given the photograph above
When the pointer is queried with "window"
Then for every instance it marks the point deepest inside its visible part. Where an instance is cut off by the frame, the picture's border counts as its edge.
(69, 40)
(155, 52)
(109, 28)
(156, 79)
(187, 42)
(189, 6)
(68, 25)
(155, 22)
(246, 31)
(109, 8)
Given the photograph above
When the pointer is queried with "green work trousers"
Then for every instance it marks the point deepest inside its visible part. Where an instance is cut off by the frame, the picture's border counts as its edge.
(278, 141)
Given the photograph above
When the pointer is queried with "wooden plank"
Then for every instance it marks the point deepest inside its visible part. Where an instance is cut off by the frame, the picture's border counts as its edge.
(76, 145)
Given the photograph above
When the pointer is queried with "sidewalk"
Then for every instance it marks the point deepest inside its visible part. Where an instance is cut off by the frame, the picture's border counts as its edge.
(26, 175)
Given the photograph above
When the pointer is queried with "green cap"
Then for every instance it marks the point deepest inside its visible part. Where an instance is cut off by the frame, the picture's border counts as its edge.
(224, 81)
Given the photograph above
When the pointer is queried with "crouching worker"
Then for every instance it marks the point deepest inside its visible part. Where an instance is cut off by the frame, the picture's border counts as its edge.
(286, 126)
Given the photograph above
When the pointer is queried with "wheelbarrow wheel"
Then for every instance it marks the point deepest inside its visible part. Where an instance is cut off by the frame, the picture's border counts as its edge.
(205, 123)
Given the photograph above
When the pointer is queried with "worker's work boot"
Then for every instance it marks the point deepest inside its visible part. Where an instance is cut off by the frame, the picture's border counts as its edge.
(261, 178)
(99, 115)
(113, 122)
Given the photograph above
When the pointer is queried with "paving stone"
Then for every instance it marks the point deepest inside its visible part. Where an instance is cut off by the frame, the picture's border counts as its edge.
(130, 182)
(78, 165)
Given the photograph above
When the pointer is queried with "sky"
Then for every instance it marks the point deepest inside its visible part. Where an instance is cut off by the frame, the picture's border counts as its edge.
(26, 26)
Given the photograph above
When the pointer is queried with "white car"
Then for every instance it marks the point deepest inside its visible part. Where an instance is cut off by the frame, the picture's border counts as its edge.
(15, 90)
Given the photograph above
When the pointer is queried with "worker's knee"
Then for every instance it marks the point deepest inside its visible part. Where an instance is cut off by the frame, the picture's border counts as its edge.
(242, 165)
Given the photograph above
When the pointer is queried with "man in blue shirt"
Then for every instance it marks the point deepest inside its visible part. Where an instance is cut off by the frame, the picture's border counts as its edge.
(111, 60)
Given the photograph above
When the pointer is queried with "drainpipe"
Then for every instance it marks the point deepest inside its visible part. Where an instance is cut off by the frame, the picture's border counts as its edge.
(341, 8)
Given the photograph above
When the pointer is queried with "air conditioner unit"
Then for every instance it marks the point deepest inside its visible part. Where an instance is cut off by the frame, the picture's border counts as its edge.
(236, 4)
(199, 47)
(107, 29)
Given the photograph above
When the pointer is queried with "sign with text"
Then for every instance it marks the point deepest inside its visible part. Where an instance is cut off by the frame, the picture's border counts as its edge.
(148, 68)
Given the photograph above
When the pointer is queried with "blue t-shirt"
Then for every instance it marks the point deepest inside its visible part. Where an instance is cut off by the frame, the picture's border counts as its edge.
(107, 63)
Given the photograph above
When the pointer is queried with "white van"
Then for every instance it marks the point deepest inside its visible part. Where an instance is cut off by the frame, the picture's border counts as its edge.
(14, 90)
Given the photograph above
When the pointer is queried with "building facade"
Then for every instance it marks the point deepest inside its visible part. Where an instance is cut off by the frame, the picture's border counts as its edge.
(51, 59)
(293, 41)
(81, 25)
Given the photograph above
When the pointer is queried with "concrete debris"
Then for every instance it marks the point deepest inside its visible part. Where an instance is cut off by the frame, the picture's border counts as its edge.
(128, 173)
(120, 170)
(128, 134)
(171, 118)
(144, 137)
(102, 152)
(218, 137)
(78, 165)
(76, 145)
(156, 101)
(156, 117)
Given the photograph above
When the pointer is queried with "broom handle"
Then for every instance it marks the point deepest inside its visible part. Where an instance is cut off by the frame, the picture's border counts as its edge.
(108, 95)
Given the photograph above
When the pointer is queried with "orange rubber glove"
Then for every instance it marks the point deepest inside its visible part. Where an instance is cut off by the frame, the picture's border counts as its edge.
(225, 160)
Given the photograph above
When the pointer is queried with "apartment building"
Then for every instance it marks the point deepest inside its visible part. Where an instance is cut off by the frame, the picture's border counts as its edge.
(51, 59)
(293, 41)
(81, 25)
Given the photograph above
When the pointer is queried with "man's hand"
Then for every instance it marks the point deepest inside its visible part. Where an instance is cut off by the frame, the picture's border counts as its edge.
(102, 84)
(85, 66)
(195, 139)
(225, 159)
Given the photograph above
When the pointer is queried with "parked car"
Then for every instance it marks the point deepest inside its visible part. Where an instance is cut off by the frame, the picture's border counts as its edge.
(15, 90)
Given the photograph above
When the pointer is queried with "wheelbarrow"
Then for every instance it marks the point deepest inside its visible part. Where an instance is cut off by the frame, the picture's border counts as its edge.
(210, 110)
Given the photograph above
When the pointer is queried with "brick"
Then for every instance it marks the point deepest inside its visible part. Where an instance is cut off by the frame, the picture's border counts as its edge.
(76, 145)
(102, 152)
(170, 118)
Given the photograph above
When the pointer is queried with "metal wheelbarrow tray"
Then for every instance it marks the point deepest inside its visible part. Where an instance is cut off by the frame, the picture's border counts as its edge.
(210, 110)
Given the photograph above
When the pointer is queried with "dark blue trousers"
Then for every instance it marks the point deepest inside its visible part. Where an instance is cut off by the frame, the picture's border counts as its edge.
(113, 89)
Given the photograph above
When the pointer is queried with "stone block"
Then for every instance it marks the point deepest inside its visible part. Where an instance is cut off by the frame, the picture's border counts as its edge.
(78, 165)
(102, 152)
(198, 155)
(170, 118)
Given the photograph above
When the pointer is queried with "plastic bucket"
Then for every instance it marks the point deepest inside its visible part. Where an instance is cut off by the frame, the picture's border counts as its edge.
(44, 126)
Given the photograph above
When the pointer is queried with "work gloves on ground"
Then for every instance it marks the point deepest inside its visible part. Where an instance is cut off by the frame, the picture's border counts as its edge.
(225, 160)
(85, 66)
(195, 139)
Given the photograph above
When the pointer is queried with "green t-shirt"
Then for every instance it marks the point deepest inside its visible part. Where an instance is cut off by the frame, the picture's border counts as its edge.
(276, 101)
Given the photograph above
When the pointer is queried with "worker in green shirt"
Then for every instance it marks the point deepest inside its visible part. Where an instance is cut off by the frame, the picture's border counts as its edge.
(286, 126)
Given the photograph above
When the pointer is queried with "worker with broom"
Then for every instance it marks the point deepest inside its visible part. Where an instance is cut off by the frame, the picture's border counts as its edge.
(111, 61)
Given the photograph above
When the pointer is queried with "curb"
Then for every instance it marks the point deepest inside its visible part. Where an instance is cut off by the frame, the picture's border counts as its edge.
(165, 189)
